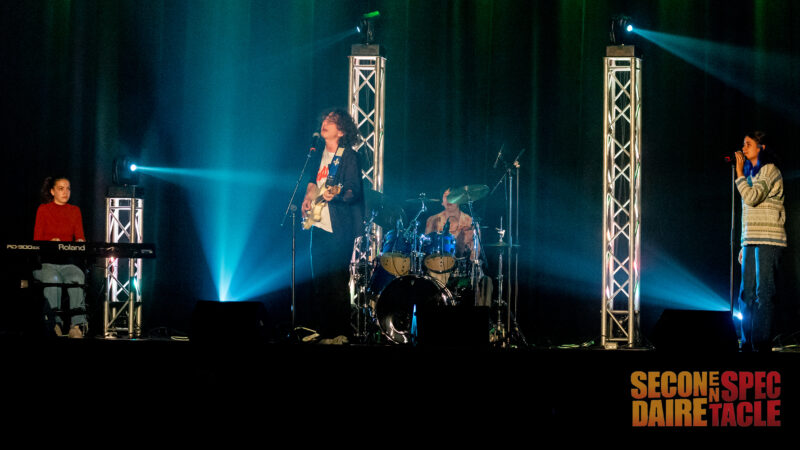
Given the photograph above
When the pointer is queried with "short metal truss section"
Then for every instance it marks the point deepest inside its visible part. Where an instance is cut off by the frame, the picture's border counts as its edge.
(622, 132)
(122, 308)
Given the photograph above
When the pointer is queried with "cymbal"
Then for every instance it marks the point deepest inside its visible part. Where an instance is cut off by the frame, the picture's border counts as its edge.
(470, 192)
(428, 201)
(387, 210)
(500, 245)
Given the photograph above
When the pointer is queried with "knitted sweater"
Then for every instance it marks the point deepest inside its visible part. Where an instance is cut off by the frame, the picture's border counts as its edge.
(763, 214)
(58, 221)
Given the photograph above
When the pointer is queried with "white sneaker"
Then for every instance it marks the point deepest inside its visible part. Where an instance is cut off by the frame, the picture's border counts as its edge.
(338, 340)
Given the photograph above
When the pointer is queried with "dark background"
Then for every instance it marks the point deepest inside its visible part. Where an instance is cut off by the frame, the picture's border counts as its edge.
(86, 81)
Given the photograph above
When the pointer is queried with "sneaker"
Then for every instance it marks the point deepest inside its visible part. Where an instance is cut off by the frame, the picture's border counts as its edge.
(57, 330)
(75, 332)
(338, 340)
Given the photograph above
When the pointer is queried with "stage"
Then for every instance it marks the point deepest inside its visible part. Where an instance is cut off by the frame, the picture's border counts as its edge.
(530, 389)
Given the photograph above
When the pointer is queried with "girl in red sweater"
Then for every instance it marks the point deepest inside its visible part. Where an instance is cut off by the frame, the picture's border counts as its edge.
(56, 220)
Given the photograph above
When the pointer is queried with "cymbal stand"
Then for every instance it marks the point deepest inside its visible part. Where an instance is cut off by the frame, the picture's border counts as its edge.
(500, 326)
(516, 332)
(512, 213)
(360, 274)
(476, 272)
(416, 251)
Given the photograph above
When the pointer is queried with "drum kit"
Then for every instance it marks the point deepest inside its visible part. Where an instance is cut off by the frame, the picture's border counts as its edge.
(394, 275)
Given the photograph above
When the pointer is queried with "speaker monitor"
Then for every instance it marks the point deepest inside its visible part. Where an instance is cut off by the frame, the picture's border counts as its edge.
(692, 330)
(214, 322)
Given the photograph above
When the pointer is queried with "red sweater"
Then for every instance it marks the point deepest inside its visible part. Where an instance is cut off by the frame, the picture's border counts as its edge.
(58, 221)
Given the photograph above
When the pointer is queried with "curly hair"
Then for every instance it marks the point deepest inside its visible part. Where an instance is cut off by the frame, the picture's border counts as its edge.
(346, 125)
(48, 184)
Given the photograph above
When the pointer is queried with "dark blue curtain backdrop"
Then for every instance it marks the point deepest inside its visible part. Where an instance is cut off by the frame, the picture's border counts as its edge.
(232, 90)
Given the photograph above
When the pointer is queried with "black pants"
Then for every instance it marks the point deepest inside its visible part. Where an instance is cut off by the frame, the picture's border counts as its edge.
(329, 306)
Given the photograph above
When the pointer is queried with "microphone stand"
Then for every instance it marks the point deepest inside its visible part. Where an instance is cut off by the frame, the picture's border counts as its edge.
(513, 229)
(291, 207)
(514, 238)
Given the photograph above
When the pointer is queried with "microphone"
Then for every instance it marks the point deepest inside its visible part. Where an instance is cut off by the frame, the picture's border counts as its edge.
(446, 228)
(499, 154)
(314, 141)
(730, 158)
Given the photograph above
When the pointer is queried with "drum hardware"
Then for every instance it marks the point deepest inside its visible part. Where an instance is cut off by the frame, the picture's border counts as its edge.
(429, 201)
(412, 233)
(413, 270)
(361, 274)
(386, 211)
(499, 330)
(501, 245)
(512, 214)
(468, 193)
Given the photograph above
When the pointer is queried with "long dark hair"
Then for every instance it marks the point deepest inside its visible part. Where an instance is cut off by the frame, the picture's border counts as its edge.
(346, 125)
(47, 186)
(765, 156)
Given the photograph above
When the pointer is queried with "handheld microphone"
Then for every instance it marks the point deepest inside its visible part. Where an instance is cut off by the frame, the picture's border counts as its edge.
(730, 158)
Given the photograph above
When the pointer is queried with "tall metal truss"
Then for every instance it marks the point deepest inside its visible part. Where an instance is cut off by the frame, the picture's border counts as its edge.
(366, 105)
(122, 309)
(622, 133)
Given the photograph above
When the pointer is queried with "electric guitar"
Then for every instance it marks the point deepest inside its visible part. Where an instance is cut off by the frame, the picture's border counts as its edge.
(318, 204)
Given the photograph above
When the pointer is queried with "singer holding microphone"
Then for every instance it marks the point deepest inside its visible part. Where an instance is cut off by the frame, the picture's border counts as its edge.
(334, 196)
(760, 185)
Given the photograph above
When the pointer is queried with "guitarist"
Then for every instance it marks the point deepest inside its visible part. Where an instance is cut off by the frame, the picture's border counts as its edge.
(340, 222)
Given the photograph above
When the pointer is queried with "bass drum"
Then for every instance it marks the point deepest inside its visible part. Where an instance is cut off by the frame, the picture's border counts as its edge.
(401, 298)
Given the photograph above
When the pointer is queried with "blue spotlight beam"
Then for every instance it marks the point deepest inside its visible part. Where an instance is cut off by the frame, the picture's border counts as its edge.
(667, 283)
(234, 176)
(737, 67)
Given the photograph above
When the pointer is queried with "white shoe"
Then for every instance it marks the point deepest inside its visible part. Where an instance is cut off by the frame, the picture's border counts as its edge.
(338, 340)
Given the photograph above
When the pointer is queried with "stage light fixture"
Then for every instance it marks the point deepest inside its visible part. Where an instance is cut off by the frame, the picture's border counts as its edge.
(124, 172)
(366, 27)
(619, 23)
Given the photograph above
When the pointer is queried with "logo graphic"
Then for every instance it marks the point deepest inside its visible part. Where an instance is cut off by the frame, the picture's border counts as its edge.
(706, 399)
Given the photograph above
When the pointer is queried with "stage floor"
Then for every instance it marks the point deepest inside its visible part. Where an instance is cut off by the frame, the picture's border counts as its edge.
(539, 388)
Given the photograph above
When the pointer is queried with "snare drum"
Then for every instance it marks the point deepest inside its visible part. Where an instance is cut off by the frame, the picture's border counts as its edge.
(440, 252)
(401, 298)
(396, 253)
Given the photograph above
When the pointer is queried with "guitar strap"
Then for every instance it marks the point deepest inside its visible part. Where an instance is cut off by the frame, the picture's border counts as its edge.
(333, 167)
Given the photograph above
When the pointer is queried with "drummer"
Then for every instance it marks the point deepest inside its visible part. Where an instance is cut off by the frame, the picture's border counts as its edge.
(460, 226)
